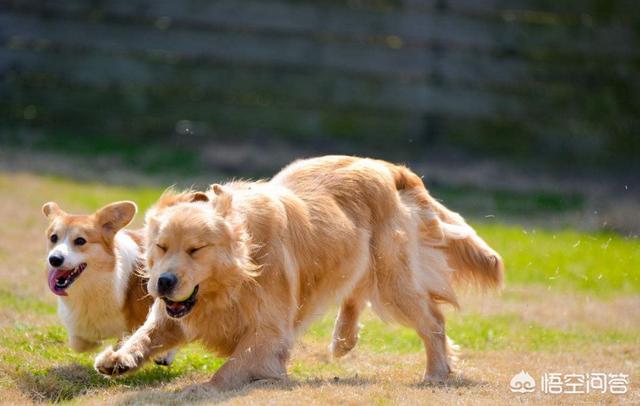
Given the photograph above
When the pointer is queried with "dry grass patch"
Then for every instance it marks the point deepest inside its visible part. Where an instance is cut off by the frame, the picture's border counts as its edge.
(366, 378)
(558, 310)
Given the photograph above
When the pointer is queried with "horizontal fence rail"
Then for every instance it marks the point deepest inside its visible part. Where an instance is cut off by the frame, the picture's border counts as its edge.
(464, 72)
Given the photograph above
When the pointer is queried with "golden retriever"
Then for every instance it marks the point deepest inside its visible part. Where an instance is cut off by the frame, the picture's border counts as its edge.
(245, 267)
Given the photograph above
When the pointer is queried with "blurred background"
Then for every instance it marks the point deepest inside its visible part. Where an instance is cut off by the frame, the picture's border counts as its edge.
(524, 110)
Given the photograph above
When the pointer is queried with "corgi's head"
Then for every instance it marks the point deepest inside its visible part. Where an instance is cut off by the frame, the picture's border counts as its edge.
(82, 243)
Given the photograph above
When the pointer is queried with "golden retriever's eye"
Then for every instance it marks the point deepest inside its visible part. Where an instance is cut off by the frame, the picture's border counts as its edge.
(79, 241)
(192, 251)
(53, 238)
(161, 247)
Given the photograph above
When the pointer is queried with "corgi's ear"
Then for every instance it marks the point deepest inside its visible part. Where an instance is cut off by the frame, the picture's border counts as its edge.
(114, 217)
(51, 210)
(223, 200)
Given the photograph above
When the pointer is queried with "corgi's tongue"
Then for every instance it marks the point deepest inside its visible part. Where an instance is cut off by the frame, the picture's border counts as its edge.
(54, 276)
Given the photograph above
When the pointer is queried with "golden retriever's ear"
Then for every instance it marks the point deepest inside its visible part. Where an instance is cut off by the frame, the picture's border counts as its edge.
(51, 210)
(114, 217)
(198, 197)
(223, 200)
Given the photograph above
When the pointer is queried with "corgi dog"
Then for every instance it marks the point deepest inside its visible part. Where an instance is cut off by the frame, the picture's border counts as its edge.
(94, 267)
(245, 267)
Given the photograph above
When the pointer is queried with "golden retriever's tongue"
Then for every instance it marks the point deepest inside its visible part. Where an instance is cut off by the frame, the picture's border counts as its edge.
(54, 274)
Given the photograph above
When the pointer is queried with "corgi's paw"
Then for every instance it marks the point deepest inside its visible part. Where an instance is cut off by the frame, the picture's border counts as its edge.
(162, 361)
(114, 363)
(166, 359)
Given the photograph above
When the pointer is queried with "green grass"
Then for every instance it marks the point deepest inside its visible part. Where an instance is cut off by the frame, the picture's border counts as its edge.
(477, 332)
(598, 263)
(91, 196)
(38, 360)
(23, 304)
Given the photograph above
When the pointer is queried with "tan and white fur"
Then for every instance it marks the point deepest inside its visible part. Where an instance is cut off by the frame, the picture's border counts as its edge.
(245, 267)
(108, 298)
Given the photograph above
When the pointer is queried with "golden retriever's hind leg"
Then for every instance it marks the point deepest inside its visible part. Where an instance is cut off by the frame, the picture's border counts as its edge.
(415, 309)
(346, 329)
(437, 347)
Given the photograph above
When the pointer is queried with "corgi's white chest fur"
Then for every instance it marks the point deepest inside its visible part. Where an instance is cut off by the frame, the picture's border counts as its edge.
(93, 310)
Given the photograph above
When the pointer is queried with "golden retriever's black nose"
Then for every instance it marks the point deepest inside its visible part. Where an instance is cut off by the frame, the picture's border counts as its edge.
(166, 282)
(56, 260)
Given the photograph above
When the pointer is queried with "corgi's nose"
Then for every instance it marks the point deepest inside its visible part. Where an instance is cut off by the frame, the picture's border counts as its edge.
(166, 282)
(56, 260)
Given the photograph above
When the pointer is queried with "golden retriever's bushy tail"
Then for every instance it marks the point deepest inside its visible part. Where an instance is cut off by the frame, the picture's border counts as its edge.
(468, 254)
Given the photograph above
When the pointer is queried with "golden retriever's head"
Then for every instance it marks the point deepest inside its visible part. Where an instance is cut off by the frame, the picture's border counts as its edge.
(82, 244)
(195, 245)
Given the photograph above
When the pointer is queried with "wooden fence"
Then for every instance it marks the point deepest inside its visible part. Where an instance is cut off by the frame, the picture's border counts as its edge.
(505, 76)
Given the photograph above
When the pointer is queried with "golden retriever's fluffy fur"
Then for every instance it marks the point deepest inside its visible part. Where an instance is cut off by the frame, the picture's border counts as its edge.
(264, 259)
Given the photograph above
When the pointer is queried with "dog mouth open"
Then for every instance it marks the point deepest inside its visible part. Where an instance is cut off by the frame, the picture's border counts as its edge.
(61, 279)
(181, 308)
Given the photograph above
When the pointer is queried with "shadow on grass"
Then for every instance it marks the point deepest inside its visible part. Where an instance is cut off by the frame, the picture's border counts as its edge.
(63, 383)
(199, 394)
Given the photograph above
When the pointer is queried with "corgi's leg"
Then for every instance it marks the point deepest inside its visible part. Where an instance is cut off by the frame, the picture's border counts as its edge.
(166, 359)
(157, 335)
(79, 344)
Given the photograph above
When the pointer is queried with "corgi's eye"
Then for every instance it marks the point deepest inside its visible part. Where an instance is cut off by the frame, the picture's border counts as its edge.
(79, 241)
(192, 251)
(53, 238)
(161, 247)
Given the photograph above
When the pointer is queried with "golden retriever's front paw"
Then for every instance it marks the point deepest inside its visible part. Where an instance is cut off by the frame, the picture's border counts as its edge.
(114, 363)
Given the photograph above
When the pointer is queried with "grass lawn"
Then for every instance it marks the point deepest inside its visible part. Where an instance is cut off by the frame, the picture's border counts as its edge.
(571, 305)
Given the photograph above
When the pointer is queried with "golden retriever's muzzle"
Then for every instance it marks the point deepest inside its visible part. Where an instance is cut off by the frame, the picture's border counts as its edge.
(182, 308)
